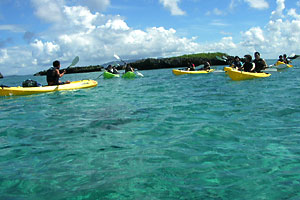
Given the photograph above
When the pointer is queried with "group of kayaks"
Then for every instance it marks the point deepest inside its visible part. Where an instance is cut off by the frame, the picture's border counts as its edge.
(236, 75)
(233, 74)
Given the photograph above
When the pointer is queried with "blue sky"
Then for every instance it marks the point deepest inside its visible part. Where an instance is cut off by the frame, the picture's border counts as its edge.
(33, 33)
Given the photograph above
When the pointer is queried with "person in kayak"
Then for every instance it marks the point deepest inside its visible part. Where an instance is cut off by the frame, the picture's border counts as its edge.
(237, 63)
(280, 59)
(248, 66)
(128, 68)
(206, 66)
(112, 69)
(53, 75)
(260, 64)
(285, 59)
(191, 67)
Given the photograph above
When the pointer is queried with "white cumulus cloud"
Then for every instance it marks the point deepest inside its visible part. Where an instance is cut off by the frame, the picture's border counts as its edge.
(258, 4)
(49, 10)
(280, 7)
(172, 5)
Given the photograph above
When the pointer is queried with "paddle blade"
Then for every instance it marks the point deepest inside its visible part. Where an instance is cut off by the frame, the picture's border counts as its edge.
(219, 58)
(116, 56)
(139, 74)
(74, 62)
(292, 55)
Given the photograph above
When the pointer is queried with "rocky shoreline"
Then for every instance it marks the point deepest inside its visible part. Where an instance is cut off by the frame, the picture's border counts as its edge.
(153, 63)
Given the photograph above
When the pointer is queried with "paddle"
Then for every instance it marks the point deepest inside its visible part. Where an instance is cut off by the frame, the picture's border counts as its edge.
(292, 56)
(118, 58)
(74, 62)
(222, 59)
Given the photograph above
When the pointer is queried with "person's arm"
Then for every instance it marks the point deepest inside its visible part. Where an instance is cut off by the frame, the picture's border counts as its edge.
(253, 67)
(60, 74)
(265, 64)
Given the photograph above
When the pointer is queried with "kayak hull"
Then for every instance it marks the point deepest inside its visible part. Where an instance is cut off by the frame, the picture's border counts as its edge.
(18, 91)
(109, 75)
(178, 72)
(282, 65)
(226, 69)
(129, 75)
(239, 75)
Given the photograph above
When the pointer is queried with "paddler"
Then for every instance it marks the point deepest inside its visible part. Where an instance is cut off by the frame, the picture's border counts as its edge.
(285, 59)
(260, 64)
(53, 75)
(237, 63)
(248, 66)
(112, 69)
(206, 66)
(280, 59)
(128, 68)
(191, 67)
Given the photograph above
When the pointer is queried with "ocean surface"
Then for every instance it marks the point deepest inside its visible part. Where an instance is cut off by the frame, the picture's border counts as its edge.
(157, 137)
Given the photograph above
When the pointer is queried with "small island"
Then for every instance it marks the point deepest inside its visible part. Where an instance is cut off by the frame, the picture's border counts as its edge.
(1, 76)
(180, 61)
(74, 70)
(156, 63)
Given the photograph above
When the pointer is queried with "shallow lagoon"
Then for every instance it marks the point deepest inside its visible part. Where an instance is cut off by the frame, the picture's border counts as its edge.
(157, 137)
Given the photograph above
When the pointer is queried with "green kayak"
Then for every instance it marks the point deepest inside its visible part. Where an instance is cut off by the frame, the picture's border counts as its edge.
(129, 75)
(108, 75)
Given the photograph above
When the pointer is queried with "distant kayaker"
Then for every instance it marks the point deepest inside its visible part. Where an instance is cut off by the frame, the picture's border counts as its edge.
(206, 66)
(53, 74)
(112, 69)
(260, 64)
(128, 68)
(248, 66)
(280, 59)
(191, 67)
(237, 63)
(285, 59)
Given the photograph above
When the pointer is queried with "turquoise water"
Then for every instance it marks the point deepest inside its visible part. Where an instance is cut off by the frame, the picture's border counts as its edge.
(157, 137)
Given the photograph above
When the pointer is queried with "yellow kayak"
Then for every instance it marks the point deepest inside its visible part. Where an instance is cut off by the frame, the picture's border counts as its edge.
(282, 65)
(181, 72)
(226, 69)
(11, 91)
(239, 75)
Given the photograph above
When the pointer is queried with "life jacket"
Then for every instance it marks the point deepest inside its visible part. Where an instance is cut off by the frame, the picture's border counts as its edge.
(237, 64)
(248, 66)
(259, 65)
(52, 76)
